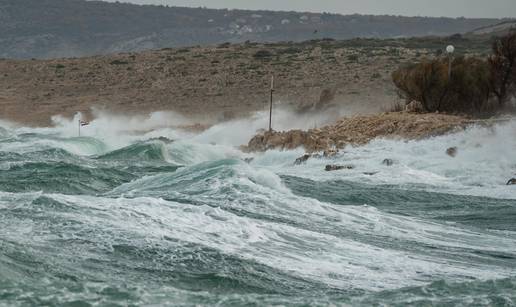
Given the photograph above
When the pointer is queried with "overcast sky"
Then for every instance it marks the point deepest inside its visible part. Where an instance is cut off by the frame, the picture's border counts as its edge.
(450, 8)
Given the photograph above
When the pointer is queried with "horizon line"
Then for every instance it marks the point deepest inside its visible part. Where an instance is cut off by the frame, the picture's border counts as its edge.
(125, 2)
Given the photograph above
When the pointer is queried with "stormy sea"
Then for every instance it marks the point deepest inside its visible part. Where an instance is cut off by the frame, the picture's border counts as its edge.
(131, 213)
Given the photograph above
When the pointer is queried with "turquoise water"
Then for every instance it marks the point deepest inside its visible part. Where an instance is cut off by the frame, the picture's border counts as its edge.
(129, 219)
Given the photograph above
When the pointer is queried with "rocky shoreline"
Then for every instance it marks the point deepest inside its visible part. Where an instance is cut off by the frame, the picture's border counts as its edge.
(359, 130)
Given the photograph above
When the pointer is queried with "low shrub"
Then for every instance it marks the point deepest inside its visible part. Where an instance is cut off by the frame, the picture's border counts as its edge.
(352, 58)
(467, 90)
(119, 62)
(475, 85)
(262, 54)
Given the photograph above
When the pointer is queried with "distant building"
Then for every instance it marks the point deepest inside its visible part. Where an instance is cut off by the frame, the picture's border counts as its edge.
(256, 16)
(285, 22)
(245, 29)
(304, 18)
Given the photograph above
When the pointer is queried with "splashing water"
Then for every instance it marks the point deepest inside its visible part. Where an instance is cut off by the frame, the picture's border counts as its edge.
(125, 216)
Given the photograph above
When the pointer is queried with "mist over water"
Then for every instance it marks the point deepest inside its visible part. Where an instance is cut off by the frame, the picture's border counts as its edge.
(136, 211)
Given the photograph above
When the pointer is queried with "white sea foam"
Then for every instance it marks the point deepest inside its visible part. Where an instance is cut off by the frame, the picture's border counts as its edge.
(246, 211)
(339, 261)
(485, 161)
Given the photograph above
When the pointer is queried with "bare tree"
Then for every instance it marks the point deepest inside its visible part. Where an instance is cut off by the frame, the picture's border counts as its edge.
(503, 68)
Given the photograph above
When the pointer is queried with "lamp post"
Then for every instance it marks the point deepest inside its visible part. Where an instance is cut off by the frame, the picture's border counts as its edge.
(449, 50)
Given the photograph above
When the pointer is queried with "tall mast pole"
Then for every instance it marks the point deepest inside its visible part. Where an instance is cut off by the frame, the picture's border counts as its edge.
(270, 110)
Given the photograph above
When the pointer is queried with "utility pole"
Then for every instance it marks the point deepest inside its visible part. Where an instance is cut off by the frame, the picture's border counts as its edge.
(449, 50)
(270, 110)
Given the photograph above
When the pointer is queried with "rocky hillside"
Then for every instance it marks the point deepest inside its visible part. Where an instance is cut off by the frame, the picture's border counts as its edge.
(218, 82)
(498, 29)
(71, 28)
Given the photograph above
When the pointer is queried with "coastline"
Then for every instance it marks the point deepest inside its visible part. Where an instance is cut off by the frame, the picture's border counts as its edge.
(359, 130)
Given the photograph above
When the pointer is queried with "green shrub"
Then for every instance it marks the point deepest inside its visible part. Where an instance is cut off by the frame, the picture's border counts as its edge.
(290, 50)
(119, 62)
(262, 54)
(352, 58)
(376, 75)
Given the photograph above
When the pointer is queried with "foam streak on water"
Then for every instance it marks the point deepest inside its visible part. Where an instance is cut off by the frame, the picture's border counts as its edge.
(157, 216)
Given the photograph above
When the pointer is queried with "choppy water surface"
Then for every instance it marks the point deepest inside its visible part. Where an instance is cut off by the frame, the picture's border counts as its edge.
(132, 219)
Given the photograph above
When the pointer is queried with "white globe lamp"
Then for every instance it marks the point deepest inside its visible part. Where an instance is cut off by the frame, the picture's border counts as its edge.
(450, 49)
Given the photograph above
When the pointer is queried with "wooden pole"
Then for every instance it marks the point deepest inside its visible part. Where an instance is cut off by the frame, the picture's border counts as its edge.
(270, 110)
(79, 122)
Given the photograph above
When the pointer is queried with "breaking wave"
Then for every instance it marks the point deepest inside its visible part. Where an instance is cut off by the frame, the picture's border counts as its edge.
(159, 216)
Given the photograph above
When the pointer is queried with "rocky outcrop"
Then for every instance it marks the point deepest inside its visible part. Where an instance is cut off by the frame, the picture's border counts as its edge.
(302, 159)
(330, 167)
(452, 151)
(359, 130)
(388, 162)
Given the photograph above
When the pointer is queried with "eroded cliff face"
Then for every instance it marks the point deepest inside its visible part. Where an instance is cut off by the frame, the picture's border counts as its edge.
(359, 130)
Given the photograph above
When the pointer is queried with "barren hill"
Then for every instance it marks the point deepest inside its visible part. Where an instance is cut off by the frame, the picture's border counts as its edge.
(71, 28)
(219, 82)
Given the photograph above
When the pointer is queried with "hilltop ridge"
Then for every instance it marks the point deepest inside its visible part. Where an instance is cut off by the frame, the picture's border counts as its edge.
(73, 28)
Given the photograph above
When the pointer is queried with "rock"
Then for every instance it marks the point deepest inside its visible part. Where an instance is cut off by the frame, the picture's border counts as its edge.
(452, 151)
(358, 130)
(162, 139)
(302, 159)
(388, 162)
(330, 168)
(512, 181)
(248, 160)
(330, 153)
(370, 173)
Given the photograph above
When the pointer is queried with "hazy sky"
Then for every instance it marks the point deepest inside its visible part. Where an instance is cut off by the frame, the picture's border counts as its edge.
(450, 8)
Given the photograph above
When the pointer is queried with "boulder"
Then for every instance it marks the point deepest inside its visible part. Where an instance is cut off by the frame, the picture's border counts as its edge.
(370, 173)
(248, 160)
(452, 151)
(162, 139)
(302, 159)
(330, 153)
(330, 168)
(388, 162)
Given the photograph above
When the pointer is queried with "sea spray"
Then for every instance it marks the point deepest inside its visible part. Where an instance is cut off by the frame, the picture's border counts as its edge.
(120, 216)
